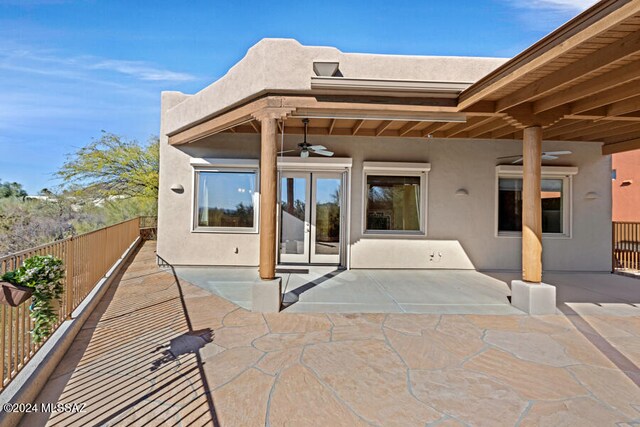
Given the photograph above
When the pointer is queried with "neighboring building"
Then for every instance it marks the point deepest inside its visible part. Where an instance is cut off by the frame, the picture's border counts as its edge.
(419, 163)
(625, 192)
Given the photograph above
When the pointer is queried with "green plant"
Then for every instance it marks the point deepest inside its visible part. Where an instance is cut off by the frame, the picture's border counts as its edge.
(42, 273)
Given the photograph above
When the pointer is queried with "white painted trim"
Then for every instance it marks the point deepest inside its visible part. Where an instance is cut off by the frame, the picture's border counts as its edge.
(314, 163)
(307, 258)
(397, 169)
(546, 170)
(433, 88)
(224, 163)
(397, 166)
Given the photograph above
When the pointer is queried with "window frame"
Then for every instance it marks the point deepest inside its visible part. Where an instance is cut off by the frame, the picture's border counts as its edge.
(420, 170)
(548, 172)
(226, 166)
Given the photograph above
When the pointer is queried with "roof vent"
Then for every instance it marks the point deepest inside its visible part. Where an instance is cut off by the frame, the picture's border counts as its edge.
(326, 69)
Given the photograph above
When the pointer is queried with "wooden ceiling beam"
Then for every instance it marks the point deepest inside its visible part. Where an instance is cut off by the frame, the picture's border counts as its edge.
(409, 127)
(331, 125)
(632, 117)
(383, 126)
(471, 124)
(615, 94)
(489, 134)
(589, 64)
(624, 107)
(633, 130)
(482, 108)
(522, 116)
(494, 124)
(552, 132)
(620, 147)
(430, 129)
(357, 127)
(502, 132)
(617, 77)
(635, 133)
(596, 132)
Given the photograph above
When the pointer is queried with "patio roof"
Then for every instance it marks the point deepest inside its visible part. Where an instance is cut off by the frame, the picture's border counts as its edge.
(580, 83)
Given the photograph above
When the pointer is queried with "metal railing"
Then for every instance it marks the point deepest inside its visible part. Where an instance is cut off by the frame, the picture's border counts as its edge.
(87, 259)
(626, 245)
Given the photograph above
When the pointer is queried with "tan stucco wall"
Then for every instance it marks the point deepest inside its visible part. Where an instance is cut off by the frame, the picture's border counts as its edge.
(286, 66)
(461, 228)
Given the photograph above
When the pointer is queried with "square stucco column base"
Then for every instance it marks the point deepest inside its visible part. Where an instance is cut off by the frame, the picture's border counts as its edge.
(266, 296)
(533, 298)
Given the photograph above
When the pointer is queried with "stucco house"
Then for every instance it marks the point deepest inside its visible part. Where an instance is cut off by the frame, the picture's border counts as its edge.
(309, 155)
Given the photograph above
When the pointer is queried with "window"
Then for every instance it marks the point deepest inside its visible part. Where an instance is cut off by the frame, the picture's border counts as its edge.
(555, 199)
(394, 198)
(226, 200)
(510, 205)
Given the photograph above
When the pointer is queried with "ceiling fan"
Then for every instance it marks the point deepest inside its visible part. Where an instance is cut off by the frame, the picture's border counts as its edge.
(306, 148)
(546, 155)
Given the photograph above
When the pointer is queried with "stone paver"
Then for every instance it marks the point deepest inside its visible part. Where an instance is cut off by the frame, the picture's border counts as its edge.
(161, 351)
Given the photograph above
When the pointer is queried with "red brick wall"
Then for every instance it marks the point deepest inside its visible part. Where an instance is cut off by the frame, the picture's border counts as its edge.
(626, 186)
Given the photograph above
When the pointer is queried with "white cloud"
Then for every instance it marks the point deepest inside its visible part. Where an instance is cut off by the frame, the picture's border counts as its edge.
(559, 5)
(142, 71)
(546, 15)
(81, 67)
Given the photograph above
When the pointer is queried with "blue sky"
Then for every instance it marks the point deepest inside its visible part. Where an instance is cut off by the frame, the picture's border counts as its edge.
(69, 69)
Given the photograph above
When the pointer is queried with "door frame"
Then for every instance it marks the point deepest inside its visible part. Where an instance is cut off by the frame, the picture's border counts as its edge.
(315, 258)
(302, 258)
(323, 164)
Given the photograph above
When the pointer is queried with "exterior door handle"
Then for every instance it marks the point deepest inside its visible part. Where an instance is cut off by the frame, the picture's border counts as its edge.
(307, 227)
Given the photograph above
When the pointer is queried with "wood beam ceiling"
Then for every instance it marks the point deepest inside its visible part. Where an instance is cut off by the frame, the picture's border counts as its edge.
(617, 77)
(590, 64)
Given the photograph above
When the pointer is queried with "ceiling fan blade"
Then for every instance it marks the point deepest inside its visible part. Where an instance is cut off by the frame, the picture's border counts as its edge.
(286, 151)
(548, 157)
(324, 153)
(517, 161)
(508, 157)
(556, 153)
(317, 147)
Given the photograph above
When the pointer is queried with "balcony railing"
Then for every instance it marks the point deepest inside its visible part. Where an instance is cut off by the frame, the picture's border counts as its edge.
(626, 245)
(87, 259)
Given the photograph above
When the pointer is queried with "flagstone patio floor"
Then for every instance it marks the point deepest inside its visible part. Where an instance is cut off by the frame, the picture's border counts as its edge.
(161, 351)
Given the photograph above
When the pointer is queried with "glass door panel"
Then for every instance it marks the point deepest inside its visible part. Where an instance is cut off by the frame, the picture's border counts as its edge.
(294, 217)
(326, 214)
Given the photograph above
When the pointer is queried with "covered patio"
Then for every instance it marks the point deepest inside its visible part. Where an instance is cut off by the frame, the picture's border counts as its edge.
(329, 290)
(318, 289)
(580, 83)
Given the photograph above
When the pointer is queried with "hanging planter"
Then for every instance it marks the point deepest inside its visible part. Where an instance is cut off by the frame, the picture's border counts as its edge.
(42, 276)
(14, 295)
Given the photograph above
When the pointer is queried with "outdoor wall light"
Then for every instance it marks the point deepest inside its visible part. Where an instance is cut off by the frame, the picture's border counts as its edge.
(462, 192)
(177, 188)
(591, 195)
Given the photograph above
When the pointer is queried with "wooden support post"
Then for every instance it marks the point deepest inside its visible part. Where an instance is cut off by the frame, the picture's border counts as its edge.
(268, 192)
(532, 205)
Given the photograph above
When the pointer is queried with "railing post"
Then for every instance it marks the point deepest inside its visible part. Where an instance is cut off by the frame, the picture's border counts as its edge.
(613, 247)
(69, 264)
